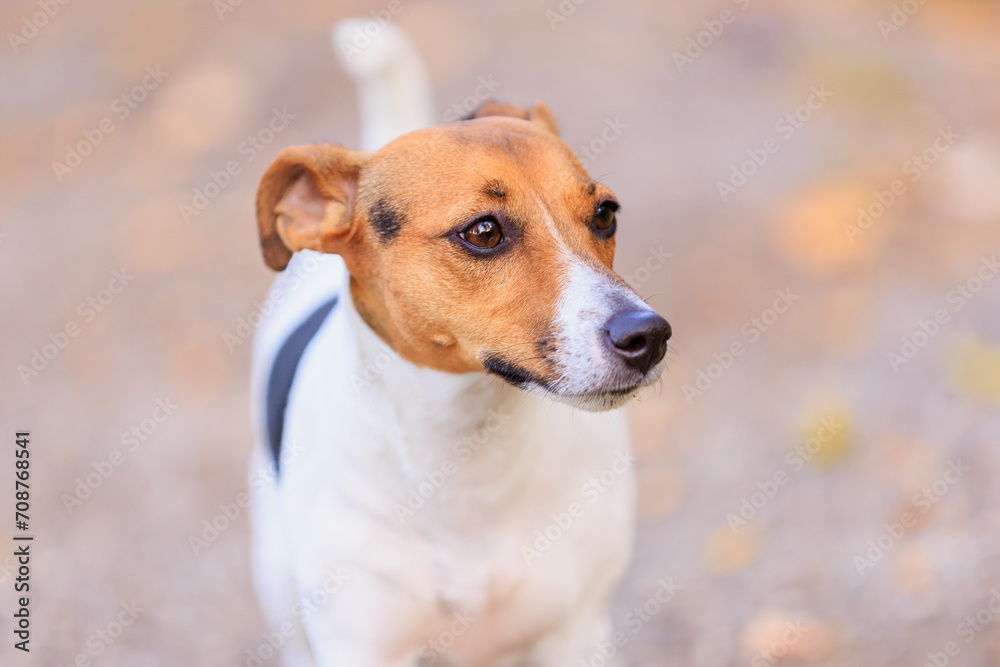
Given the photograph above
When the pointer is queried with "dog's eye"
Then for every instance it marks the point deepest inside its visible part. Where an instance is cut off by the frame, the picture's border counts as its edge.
(483, 233)
(605, 220)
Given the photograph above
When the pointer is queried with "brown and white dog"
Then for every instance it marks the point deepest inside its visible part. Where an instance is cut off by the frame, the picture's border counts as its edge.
(447, 302)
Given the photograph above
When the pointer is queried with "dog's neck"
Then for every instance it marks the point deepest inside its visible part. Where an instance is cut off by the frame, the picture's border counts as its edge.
(434, 417)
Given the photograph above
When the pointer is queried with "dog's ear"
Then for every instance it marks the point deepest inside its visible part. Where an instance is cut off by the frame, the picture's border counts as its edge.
(305, 200)
(537, 114)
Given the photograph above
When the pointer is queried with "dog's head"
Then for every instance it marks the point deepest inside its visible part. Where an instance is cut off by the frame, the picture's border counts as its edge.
(478, 245)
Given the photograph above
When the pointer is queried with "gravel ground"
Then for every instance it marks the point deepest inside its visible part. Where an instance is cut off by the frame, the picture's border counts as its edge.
(811, 196)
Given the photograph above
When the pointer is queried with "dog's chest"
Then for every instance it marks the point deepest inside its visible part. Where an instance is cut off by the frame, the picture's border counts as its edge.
(554, 552)
(510, 588)
(498, 532)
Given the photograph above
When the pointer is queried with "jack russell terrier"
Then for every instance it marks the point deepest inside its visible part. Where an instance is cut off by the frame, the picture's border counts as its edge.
(435, 391)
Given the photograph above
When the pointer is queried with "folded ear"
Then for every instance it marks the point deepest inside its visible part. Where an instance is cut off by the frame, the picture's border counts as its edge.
(305, 200)
(537, 114)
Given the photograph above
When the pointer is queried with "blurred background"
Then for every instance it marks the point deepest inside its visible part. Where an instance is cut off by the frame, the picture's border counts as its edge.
(811, 197)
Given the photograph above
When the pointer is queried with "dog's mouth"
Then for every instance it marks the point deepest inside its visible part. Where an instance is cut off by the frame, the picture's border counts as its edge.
(512, 373)
(606, 395)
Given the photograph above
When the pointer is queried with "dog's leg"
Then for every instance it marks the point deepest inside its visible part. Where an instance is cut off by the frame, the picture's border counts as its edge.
(273, 574)
(370, 621)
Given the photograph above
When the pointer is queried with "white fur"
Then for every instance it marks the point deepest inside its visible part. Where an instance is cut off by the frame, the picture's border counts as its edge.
(361, 449)
(366, 430)
(394, 93)
(589, 297)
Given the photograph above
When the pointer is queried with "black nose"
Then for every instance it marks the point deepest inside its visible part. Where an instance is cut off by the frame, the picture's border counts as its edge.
(639, 337)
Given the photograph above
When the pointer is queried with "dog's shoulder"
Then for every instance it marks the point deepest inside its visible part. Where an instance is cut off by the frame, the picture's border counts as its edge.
(300, 300)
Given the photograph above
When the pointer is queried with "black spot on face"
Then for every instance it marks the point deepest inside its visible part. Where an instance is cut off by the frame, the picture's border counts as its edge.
(385, 220)
(591, 188)
(494, 190)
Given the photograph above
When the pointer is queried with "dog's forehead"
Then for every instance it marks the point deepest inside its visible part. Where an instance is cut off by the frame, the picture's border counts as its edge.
(470, 152)
(429, 180)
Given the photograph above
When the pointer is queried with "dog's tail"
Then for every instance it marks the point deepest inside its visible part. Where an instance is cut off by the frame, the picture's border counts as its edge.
(394, 93)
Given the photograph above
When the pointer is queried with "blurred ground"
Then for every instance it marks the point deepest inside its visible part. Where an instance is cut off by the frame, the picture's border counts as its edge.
(860, 541)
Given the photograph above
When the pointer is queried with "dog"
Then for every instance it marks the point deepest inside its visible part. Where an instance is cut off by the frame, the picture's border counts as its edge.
(435, 391)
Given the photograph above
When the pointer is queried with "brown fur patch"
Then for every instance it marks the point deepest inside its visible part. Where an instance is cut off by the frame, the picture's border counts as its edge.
(327, 194)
